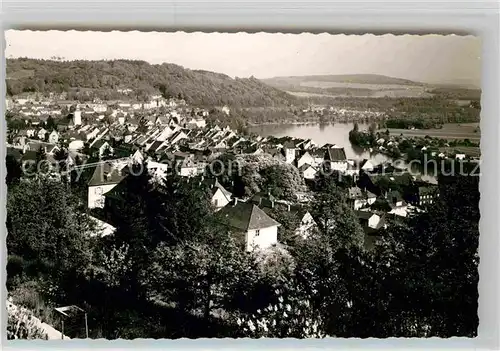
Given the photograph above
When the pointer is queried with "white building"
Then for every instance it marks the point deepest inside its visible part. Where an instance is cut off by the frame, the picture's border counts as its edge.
(308, 171)
(306, 158)
(252, 226)
(105, 177)
(77, 117)
(220, 196)
(336, 159)
(53, 137)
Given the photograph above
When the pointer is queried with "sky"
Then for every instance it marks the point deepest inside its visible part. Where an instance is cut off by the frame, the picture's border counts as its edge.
(429, 58)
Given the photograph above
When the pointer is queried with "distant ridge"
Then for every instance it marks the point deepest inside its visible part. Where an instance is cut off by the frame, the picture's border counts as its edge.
(104, 78)
(341, 78)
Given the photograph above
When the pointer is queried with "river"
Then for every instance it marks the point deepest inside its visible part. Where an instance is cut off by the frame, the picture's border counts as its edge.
(337, 133)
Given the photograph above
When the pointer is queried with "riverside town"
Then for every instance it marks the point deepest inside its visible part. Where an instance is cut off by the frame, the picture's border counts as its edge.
(169, 198)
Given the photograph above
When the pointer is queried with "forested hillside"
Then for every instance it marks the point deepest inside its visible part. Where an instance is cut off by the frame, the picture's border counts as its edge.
(105, 79)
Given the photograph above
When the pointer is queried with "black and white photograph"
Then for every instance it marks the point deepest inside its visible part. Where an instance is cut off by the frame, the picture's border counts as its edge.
(166, 185)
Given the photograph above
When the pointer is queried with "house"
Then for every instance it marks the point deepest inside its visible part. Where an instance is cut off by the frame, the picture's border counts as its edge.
(336, 159)
(165, 134)
(178, 136)
(76, 145)
(359, 198)
(158, 170)
(41, 134)
(162, 121)
(220, 196)
(307, 224)
(306, 158)
(459, 156)
(289, 150)
(50, 149)
(189, 167)
(308, 171)
(105, 177)
(370, 221)
(30, 132)
(367, 165)
(101, 228)
(101, 146)
(425, 195)
(226, 110)
(399, 207)
(318, 155)
(53, 137)
(252, 227)
(77, 117)
(137, 157)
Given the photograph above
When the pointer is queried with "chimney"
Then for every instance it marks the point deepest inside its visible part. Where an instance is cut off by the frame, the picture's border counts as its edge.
(272, 203)
(288, 207)
(235, 201)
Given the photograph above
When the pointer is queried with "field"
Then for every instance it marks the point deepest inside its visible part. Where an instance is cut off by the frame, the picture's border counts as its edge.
(472, 151)
(449, 131)
(367, 86)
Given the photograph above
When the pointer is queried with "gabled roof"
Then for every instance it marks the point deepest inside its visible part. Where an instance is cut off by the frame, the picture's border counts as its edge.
(364, 214)
(155, 145)
(336, 154)
(218, 186)
(118, 191)
(305, 166)
(246, 216)
(105, 173)
(263, 200)
(99, 143)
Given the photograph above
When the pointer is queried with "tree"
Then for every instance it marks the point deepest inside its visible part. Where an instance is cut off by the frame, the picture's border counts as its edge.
(434, 295)
(194, 276)
(61, 156)
(41, 164)
(50, 123)
(47, 226)
(14, 171)
(22, 325)
(289, 316)
(336, 218)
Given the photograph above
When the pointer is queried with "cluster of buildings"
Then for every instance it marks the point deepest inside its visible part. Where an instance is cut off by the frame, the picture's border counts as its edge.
(175, 138)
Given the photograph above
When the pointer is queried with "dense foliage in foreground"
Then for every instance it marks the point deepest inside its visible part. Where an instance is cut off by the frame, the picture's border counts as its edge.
(171, 260)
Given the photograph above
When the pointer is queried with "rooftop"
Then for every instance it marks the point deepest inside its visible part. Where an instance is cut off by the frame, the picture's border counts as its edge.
(246, 216)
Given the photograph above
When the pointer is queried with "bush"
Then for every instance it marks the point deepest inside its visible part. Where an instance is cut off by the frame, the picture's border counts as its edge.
(21, 324)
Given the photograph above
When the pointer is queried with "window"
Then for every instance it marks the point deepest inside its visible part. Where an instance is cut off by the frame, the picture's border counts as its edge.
(257, 232)
(216, 202)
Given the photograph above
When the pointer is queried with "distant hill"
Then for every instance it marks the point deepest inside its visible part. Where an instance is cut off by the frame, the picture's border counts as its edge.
(103, 79)
(342, 78)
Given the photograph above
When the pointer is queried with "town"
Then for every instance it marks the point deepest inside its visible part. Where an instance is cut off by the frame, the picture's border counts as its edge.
(146, 199)
(174, 138)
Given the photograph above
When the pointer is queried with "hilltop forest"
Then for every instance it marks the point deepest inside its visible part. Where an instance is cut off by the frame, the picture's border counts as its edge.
(85, 80)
